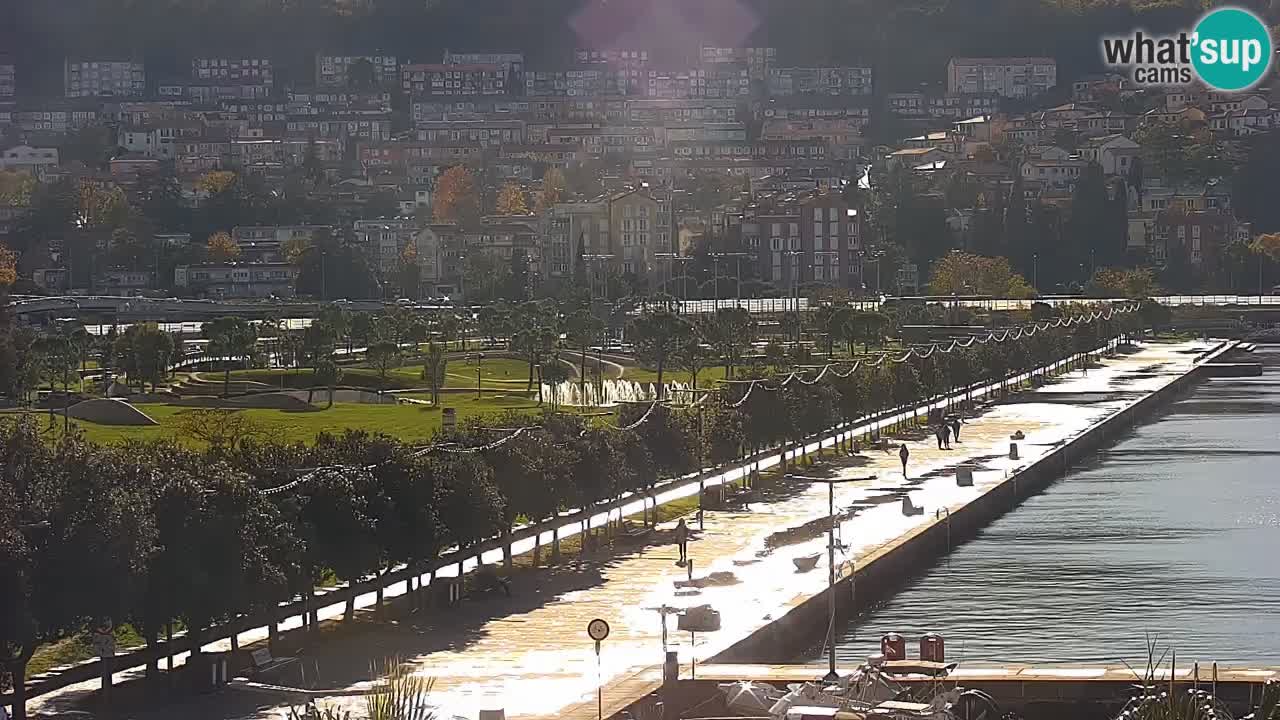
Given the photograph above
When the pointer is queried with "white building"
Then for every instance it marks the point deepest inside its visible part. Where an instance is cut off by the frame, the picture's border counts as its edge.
(152, 142)
(1055, 173)
(1115, 153)
(1011, 77)
(233, 71)
(34, 161)
(92, 78)
(236, 280)
(820, 80)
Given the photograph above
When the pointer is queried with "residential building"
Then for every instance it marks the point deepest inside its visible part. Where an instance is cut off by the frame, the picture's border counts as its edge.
(8, 77)
(1011, 77)
(817, 107)
(616, 58)
(911, 158)
(1244, 122)
(1115, 153)
(831, 240)
(602, 141)
(95, 78)
(384, 241)
(1107, 123)
(1202, 234)
(236, 280)
(333, 71)
(34, 161)
(568, 227)
(907, 104)
(233, 71)
(486, 133)
(714, 81)
(511, 62)
(757, 60)
(660, 111)
(125, 168)
(1094, 87)
(266, 243)
(820, 80)
(634, 232)
(956, 107)
(446, 79)
(1187, 115)
(1054, 173)
(440, 255)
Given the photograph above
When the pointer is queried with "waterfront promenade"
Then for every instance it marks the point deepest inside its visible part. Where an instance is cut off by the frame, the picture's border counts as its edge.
(530, 654)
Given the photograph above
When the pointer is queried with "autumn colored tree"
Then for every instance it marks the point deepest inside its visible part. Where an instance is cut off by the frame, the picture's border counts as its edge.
(221, 248)
(968, 274)
(1121, 282)
(295, 248)
(553, 188)
(511, 200)
(8, 267)
(456, 199)
(215, 182)
(1268, 245)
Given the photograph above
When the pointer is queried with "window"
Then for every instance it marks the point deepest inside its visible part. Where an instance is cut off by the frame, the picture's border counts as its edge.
(1182, 233)
(831, 214)
(817, 229)
(817, 214)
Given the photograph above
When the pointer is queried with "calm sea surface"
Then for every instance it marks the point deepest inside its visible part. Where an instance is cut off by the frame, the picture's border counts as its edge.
(1173, 533)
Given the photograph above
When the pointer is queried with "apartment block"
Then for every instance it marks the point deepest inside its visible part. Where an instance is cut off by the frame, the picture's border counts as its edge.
(8, 78)
(1011, 77)
(334, 70)
(233, 71)
(757, 60)
(445, 79)
(820, 80)
(236, 280)
(94, 78)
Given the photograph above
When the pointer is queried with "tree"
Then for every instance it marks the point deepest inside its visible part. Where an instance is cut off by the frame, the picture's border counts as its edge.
(582, 330)
(657, 336)
(327, 372)
(145, 352)
(222, 248)
(434, 363)
(8, 268)
(230, 339)
(1121, 282)
(691, 355)
(553, 189)
(456, 199)
(383, 355)
(294, 249)
(730, 332)
(222, 429)
(511, 200)
(1266, 247)
(962, 273)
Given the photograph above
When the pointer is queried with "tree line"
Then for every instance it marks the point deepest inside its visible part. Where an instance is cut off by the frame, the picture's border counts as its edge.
(150, 533)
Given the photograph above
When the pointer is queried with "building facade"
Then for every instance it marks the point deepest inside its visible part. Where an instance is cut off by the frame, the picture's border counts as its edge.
(1011, 77)
(95, 78)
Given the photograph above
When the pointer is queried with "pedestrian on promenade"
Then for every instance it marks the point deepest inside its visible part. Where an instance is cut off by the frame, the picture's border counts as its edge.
(937, 434)
(955, 426)
(946, 434)
(682, 540)
(903, 454)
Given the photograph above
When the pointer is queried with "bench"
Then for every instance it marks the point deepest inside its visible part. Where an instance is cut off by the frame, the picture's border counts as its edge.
(263, 661)
(636, 533)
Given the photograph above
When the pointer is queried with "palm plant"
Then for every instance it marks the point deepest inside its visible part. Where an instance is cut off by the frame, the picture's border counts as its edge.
(399, 695)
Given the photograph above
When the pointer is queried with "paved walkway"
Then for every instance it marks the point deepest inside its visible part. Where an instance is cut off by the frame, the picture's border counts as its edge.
(530, 654)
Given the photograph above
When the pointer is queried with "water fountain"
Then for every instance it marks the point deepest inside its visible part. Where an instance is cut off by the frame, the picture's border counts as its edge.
(605, 393)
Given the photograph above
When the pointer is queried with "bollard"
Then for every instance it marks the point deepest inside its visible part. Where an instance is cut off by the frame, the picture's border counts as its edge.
(1013, 451)
(964, 477)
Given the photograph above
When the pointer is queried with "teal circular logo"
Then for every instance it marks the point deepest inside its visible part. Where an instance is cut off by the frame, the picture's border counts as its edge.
(1231, 49)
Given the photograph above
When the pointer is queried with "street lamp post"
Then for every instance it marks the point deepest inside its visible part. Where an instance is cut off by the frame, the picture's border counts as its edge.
(1035, 271)
(831, 483)
(479, 358)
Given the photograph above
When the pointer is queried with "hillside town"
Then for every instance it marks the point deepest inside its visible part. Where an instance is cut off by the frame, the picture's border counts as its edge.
(477, 176)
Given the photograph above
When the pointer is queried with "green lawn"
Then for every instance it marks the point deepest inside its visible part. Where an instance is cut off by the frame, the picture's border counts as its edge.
(495, 374)
(407, 422)
(706, 378)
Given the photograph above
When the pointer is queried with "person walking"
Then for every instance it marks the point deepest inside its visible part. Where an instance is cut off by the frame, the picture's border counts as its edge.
(946, 435)
(937, 434)
(903, 454)
(955, 426)
(682, 540)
